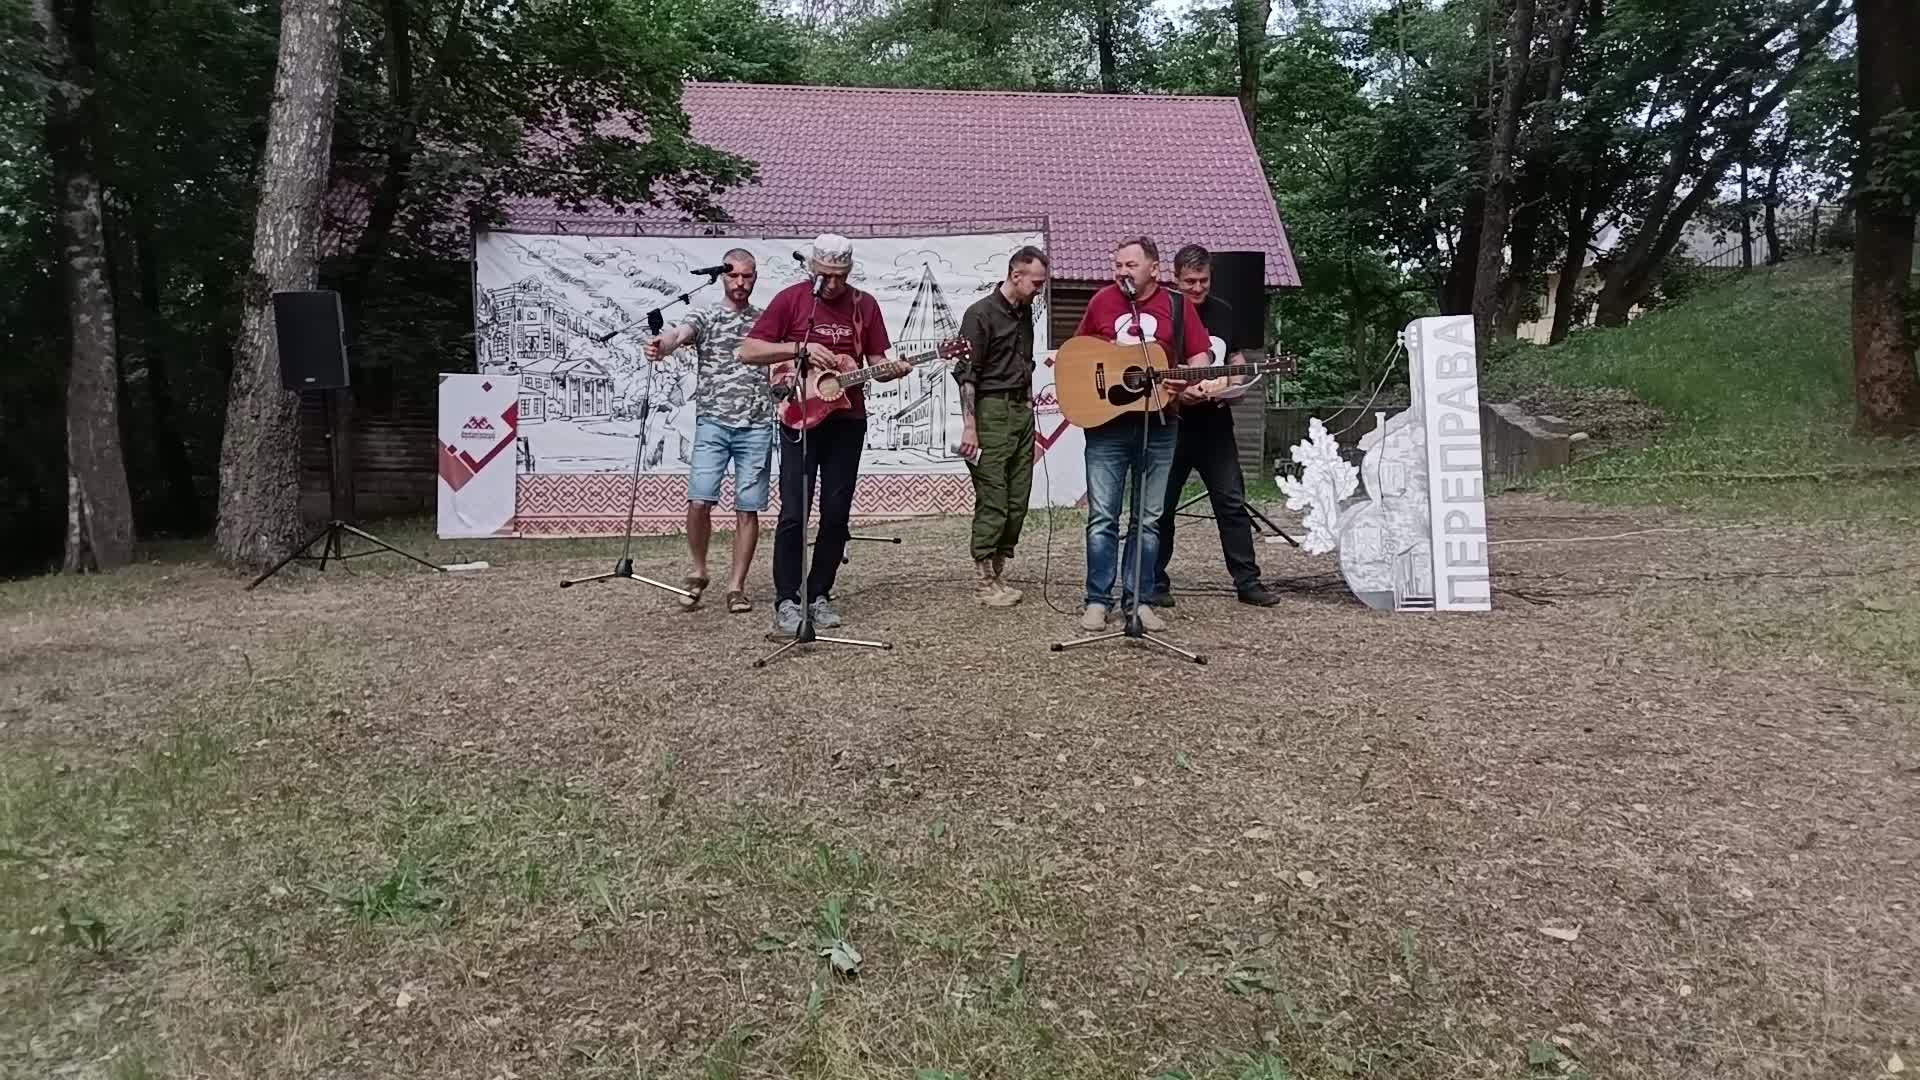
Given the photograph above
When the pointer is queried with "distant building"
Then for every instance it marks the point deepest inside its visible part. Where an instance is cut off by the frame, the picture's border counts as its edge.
(559, 389)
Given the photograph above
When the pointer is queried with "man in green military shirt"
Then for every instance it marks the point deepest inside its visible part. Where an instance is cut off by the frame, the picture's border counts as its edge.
(996, 404)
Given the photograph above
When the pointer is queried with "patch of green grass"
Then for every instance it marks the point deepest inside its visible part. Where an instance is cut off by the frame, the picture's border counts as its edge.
(1755, 379)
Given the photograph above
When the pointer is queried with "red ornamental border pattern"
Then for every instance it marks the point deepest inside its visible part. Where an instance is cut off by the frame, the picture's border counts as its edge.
(595, 504)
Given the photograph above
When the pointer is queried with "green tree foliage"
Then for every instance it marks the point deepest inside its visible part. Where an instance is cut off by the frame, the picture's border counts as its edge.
(1374, 120)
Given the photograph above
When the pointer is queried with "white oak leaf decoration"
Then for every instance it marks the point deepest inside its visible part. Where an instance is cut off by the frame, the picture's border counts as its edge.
(1326, 480)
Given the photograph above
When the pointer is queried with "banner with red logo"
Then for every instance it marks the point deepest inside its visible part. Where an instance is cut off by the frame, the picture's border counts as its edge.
(479, 437)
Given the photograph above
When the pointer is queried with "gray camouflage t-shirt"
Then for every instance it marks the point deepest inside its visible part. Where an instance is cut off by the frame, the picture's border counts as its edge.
(728, 391)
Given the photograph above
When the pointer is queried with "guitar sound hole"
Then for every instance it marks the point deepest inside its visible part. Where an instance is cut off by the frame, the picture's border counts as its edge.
(829, 388)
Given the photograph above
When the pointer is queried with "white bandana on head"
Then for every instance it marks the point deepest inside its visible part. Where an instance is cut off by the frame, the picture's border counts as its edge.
(831, 251)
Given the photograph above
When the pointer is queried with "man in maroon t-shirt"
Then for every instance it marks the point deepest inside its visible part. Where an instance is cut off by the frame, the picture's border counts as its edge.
(1115, 463)
(848, 332)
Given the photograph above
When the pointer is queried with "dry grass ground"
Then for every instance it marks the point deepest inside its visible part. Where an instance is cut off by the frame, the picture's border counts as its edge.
(1652, 817)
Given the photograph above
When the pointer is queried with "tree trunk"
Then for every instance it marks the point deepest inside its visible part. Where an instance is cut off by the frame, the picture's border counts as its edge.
(1746, 207)
(1456, 292)
(169, 448)
(1746, 223)
(1886, 391)
(99, 505)
(1523, 242)
(1771, 225)
(407, 106)
(1583, 212)
(260, 452)
(1104, 33)
(1632, 273)
(1250, 40)
(1499, 182)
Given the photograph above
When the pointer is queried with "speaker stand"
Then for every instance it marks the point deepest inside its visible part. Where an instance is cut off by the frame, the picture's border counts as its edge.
(1252, 512)
(336, 528)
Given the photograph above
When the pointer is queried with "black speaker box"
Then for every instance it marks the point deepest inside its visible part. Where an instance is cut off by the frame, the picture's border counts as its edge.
(311, 333)
(1240, 278)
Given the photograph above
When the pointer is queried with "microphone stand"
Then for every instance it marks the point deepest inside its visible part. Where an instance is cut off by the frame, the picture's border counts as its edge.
(654, 319)
(623, 566)
(1131, 626)
(804, 634)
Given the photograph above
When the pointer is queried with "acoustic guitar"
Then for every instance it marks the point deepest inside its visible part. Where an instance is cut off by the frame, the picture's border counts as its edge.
(826, 391)
(1097, 380)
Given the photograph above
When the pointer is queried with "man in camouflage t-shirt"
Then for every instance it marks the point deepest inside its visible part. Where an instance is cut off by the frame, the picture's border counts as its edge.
(733, 422)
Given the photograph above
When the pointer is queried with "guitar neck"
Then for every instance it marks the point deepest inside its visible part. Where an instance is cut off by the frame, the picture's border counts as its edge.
(867, 374)
(1194, 374)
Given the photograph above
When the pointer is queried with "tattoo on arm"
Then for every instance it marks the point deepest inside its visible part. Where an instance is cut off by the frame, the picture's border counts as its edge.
(966, 400)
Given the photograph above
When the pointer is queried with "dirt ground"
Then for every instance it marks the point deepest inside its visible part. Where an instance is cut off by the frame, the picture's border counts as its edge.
(1653, 816)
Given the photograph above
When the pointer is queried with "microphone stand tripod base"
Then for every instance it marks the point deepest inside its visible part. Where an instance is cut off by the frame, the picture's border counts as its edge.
(806, 636)
(1131, 628)
(624, 569)
(335, 550)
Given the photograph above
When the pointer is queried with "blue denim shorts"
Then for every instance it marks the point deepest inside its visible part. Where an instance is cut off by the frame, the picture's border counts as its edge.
(750, 449)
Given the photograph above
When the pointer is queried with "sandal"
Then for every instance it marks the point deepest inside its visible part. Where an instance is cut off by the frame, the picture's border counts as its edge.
(695, 586)
(737, 603)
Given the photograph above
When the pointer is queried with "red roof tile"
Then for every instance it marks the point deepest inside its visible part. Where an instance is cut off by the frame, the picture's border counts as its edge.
(853, 160)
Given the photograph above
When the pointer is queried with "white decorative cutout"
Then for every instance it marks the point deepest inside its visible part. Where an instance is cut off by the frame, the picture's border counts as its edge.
(1326, 479)
(1417, 541)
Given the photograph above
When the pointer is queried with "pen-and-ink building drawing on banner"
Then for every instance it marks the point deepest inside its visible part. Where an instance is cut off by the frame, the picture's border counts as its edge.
(544, 302)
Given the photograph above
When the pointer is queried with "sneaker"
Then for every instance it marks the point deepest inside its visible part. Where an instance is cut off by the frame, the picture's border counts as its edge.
(1259, 595)
(1149, 620)
(786, 617)
(1095, 617)
(824, 616)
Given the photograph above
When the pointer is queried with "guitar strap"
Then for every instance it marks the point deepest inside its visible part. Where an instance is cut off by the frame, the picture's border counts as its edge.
(859, 327)
(1176, 355)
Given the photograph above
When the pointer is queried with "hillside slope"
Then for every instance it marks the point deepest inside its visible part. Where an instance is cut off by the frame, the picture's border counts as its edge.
(1742, 393)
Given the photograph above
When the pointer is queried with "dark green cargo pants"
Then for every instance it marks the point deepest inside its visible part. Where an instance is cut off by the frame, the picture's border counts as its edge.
(1003, 477)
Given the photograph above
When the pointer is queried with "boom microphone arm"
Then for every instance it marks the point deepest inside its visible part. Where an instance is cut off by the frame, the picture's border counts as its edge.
(655, 319)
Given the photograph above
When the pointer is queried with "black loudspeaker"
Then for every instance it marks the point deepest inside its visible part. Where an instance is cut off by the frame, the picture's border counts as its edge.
(312, 335)
(1240, 278)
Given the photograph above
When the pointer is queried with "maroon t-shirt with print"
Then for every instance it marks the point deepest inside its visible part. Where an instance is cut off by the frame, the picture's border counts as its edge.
(1109, 316)
(785, 319)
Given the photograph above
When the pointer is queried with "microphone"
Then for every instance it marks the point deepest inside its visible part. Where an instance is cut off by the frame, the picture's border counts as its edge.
(1127, 286)
(818, 281)
(712, 271)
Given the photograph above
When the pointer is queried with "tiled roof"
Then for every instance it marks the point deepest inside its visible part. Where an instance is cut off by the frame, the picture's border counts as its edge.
(1096, 167)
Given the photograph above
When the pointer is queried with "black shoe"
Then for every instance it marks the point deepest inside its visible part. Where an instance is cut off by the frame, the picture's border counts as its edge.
(1259, 595)
(1161, 599)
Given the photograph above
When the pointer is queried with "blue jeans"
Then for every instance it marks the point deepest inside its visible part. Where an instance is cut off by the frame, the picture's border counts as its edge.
(1114, 468)
(748, 448)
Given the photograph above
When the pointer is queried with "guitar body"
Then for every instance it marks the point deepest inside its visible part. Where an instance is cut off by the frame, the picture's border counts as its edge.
(826, 391)
(824, 398)
(1097, 380)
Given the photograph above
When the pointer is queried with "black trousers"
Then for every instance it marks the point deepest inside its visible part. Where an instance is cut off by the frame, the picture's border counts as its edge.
(1206, 446)
(832, 460)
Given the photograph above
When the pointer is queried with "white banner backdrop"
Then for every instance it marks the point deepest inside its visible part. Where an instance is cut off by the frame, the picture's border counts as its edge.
(543, 301)
(479, 428)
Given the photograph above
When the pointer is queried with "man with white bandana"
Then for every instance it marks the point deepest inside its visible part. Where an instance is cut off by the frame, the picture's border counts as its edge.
(839, 327)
